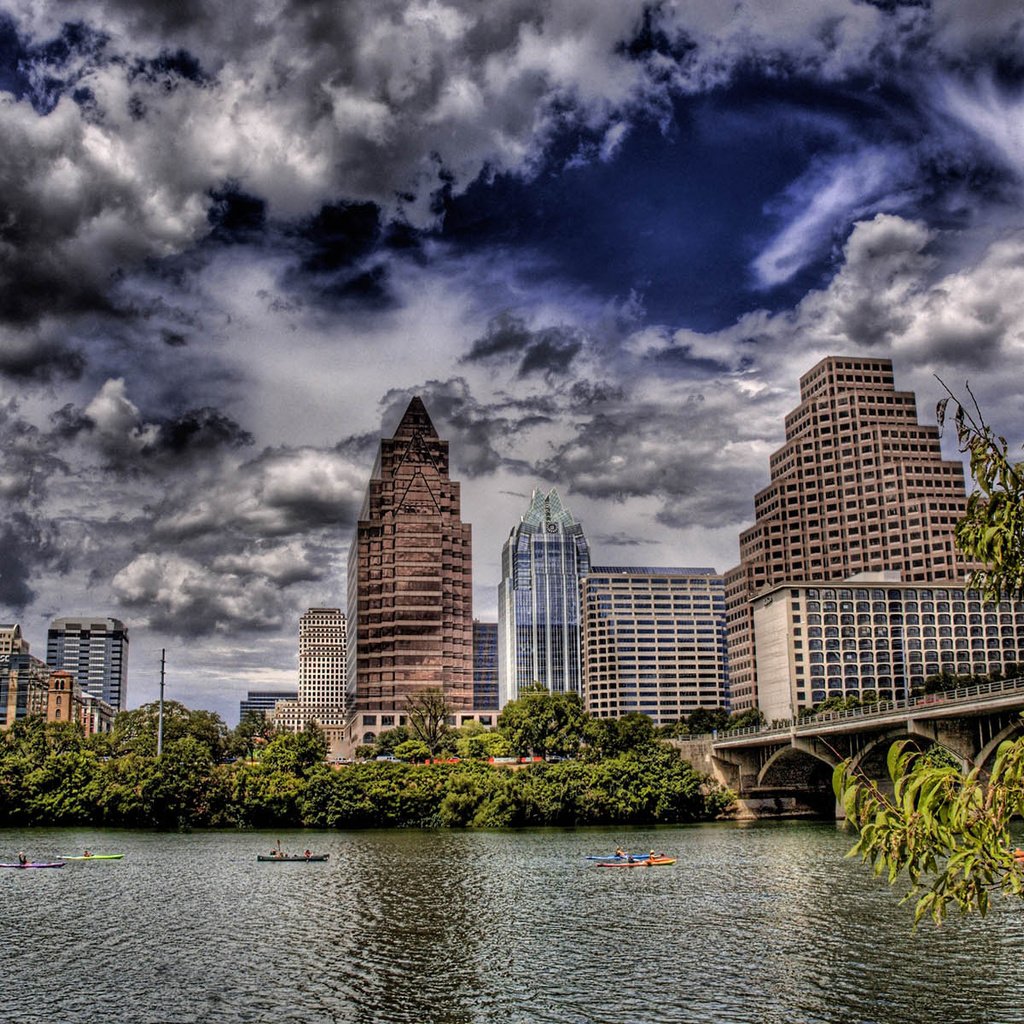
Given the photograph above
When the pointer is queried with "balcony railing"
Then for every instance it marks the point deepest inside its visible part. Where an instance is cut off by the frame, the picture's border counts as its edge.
(878, 709)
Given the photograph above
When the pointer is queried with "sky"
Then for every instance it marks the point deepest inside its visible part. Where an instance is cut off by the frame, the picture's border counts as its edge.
(601, 240)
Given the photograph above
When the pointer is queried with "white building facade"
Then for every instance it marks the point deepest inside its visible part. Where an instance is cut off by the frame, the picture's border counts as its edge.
(323, 695)
(874, 635)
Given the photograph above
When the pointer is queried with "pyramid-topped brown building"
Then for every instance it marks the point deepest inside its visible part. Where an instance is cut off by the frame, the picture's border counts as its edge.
(860, 485)
(410, 581)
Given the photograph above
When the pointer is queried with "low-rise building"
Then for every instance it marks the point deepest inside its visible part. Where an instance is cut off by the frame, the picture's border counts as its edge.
(876, 636)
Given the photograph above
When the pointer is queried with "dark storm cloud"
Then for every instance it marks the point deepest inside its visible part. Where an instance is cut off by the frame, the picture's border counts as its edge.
(30, 550)
(549, 351)
(675, 453)
(198, 430)
(27, 356)
(483, 436)
(29, 458)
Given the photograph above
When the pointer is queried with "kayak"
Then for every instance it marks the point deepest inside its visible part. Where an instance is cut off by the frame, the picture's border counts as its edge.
(36, 864)
(94, 856)
(294, 857)
(646, 862)
(632, 858)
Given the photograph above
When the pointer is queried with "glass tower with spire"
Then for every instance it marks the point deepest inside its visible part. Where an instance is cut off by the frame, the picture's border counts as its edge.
(539, 601)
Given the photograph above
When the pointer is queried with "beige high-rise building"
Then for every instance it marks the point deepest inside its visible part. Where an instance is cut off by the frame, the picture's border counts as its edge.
(323, 673)
(653, 641)
(859, 486)
(410, 582)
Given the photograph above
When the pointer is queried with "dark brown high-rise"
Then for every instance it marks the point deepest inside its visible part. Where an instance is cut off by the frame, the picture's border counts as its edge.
(859, 486)
(410, 577)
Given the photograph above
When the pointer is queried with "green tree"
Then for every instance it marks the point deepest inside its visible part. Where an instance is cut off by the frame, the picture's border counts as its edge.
(412, 750)
(705, 720)
(991, 530)
(543, 723)
(427, 714)
(947, 832)
(136, 730)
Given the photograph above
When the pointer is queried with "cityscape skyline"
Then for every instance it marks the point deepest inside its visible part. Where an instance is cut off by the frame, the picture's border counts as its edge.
(603, 244)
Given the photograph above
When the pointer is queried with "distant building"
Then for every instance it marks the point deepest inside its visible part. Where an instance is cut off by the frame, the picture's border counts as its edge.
(261, 702)
(323, 673)
(11, 640)
(653, 642)
(64, 698)
(323, 664)
(542, 562)
(68, 702)
(410, 580)
(95, 652)
(873, 635)
(24, 687)
(485, 666)
(860, 485)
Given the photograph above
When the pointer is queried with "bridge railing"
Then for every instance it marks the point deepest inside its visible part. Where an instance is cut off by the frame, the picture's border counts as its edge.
(878, 709)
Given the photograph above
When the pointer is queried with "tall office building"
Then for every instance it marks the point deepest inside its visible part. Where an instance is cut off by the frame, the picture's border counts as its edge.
(410, 581)
(323, 664)
(485, 666)
(323, 673)
(538, 600)
(261, 702)
(859, 486)
(653, 642)
(95, 652)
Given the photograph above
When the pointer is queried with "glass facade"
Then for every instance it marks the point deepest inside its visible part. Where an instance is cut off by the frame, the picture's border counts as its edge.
(538, 600)
(95, 652)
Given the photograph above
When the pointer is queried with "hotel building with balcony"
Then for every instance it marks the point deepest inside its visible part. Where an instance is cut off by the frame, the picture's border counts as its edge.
(860, 485)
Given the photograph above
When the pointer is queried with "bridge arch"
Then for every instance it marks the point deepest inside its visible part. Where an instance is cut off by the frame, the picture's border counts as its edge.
(1014, 728)
(808, 767)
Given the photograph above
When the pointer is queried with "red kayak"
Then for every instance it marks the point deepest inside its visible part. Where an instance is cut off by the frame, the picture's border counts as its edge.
(36, 864)
(643, 862)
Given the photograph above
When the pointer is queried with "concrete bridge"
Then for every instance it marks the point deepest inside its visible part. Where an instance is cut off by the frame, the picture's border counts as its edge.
(786, 770)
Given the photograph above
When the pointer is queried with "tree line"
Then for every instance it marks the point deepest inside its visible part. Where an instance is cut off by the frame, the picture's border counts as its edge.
(251, 777)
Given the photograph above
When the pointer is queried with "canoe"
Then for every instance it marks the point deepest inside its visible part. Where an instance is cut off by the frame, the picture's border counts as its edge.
(646, 862)
(293, 857)
(36, 864)
(93, 856)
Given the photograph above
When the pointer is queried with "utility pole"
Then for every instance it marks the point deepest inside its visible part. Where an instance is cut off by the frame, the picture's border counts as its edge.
(160, 717)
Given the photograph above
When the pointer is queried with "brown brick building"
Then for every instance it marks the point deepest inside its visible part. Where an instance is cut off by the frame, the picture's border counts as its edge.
(410, 586)
(859, 486)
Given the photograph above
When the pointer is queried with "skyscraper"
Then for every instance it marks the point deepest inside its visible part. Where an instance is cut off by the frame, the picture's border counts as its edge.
(538, 600)
(485, 666)
(859, 486)
(323, 673)
(410, 582)
(95, 652)
(653, 642)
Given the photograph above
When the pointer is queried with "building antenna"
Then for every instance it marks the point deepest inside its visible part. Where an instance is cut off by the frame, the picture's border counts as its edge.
(160, 715)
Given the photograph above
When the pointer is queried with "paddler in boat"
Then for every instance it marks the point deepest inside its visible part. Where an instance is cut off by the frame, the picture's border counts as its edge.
(619, 851)
(307, 854)
(86, 853)
(22, 859)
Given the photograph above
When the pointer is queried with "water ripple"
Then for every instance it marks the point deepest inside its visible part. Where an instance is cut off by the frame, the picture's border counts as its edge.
(762, 925)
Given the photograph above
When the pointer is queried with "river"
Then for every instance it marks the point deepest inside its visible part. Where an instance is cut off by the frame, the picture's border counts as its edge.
(763, 923)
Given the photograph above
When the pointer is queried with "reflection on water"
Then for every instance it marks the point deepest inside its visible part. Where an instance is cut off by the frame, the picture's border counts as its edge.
(762, 924)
